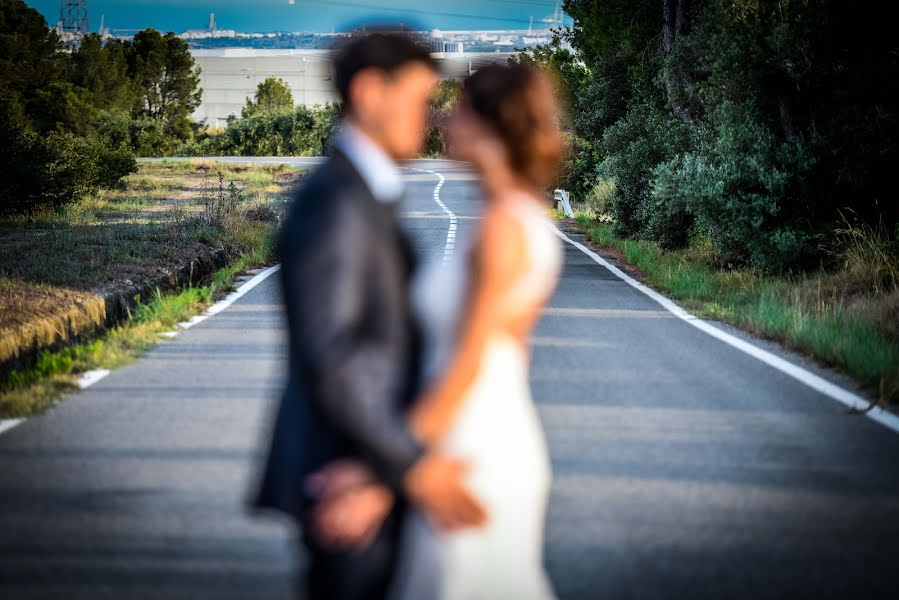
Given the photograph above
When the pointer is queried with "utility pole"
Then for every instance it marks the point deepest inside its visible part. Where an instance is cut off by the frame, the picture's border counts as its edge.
(73, 21)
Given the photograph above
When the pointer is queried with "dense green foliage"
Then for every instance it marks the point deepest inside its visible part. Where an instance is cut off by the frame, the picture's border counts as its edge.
(270, 125)
(72, 119)
(272, 96)
(759, 126)
(645, 136)
(300, 131)
(42, 172)
(167, 86)
(443, 102)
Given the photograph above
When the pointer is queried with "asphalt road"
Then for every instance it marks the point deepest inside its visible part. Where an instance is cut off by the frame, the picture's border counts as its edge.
(684, 468)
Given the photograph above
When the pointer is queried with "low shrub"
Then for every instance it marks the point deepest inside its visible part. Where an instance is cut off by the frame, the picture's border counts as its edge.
(599, 197)
(300, 132)
(744, 186)
(47, 172)
(644, 138)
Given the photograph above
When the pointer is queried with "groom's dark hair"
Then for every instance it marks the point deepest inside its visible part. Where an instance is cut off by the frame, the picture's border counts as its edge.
(386, 49)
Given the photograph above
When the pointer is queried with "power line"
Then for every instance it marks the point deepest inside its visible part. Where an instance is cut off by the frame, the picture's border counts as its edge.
(413, 11)
(522, 3)
(73, 18)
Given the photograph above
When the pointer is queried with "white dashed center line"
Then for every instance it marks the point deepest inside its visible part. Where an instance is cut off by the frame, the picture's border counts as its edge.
(450, 246)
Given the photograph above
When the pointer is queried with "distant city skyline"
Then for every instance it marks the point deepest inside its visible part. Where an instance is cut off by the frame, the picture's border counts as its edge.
(308, 15)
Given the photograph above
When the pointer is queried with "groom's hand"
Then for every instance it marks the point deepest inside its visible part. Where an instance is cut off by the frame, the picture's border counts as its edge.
(351, 507)
(351, 520)
(435, 485)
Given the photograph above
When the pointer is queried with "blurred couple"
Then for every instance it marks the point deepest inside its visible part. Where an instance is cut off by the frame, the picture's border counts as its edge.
(406, 444)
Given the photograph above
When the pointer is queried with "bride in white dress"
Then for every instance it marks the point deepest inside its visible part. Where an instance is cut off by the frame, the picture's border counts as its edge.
(477, 312)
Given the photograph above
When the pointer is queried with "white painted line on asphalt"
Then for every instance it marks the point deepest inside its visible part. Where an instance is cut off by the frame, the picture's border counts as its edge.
(451, 233)
(817, 383)
(7, 424)
(231, 298)
(242, 290)
(89, 378)
(193, 321)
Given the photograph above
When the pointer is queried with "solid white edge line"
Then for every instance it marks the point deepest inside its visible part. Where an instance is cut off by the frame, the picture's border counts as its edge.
(7, 424)
(85, 380)
(816, 382)
(231, 298)
(89, 378)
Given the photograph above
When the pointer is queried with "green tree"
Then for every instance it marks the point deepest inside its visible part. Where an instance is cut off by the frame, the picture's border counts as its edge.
(570, 73)
(167, 81)
(798, 107)
(622, 30)
(96, 81)
(30, 61)
(755, 125)
(101, 70)
(50, 102)
(272, 96)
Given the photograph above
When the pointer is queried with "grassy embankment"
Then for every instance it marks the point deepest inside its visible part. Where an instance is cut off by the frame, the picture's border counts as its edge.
(56, 271)
(846, 317)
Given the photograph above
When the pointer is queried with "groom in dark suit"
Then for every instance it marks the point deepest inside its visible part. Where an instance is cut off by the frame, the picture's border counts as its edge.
(353, 345)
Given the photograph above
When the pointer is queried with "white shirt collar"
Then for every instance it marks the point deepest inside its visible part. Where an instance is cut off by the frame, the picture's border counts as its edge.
(379, 172)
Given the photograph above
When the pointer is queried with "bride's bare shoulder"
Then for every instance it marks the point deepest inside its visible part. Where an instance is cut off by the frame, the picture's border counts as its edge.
(502, 241)
(518, 210)
(501, 221)
(516, 198)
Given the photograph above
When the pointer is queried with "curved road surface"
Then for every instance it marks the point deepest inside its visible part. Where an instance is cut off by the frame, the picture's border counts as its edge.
(684, 468)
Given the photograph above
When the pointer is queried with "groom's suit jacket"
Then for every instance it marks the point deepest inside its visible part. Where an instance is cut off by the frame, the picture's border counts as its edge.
(353, 345)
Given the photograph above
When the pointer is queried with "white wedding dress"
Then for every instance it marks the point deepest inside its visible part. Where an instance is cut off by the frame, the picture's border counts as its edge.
(497, 431)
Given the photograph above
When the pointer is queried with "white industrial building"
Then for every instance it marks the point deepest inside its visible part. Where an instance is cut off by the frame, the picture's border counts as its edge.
(230, 76)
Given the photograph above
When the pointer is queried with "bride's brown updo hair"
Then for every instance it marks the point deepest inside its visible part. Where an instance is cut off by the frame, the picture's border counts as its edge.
(519, 103)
